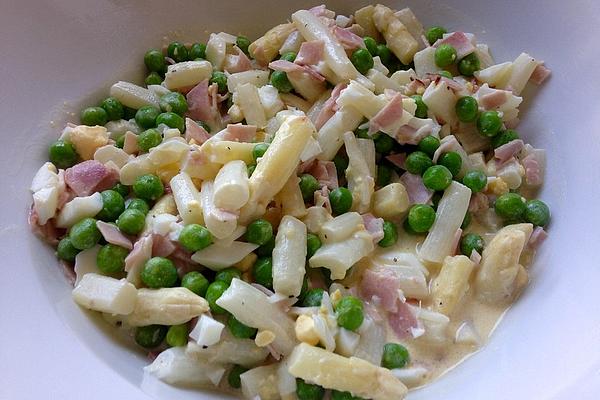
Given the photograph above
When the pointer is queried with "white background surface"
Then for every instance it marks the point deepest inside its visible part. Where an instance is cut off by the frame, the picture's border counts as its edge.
(548, 346)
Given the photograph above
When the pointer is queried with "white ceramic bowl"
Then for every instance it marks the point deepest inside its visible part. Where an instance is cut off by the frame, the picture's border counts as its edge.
(58, 55)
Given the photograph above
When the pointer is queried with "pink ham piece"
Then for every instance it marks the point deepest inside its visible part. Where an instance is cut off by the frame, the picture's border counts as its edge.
(65, 194)
(47, 232)
(330, 106)
(408, 134)
(240, 133)
(460, 42)
(533, 170)
(416, 84)
(479, 202)
(239, 62)
(113, 235)
(540, 74)
(162, 246)
(142, 252)
(381, 285)
(508, 150)
(512, 123)
(374, 226)
(456, 241)
(386, 120)
(325, 173)
(403, 321)
(322, 11)
(199, 104)
(310, 53)
(348, 39)
(494, 99)
(90, 176)
(195, 131)
(397, 159)
(215, 98)
(537, 237)
(291, 68)
(322, 199)
(475, 257)
(417, 192)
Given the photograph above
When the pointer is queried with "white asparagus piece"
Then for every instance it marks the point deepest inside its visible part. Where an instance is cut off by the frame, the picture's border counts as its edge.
(291, 199)
(187, 73)
(166, 306)
(105, 294)
(360, 181)
(354, 375)
(231, 190)
(187, 198)
(451, 284)
(217, 257)
(256, 77)
(229, 350)
(341, 227)
(219, 222)
(133, 96)
(247, 98)
(330, 136)
(253, 308)
(289, 257)
(79, 208)
(339, 257)
(261, 383)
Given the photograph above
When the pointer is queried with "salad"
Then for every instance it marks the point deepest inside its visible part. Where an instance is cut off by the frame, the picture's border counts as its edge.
(342, 207)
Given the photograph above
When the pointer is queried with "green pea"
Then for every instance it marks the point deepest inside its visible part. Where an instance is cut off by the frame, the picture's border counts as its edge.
(204, 125)
(281, 82)
(113, 205)
(148, 187)
(428, 145)
(445, 55)
(243, 43)
(111, 259)
(466, 221)
(123, 190)
(489, 123)
(62, 154)
(65, 250)
(84, 234)
(289, 56)
(120, 141)
(421, 217)
(173, 102)
(394, 356)
(153, 78)
(234, 376)
(195, 282)
(390, 234)
(466, 109)
(172, 120)
(259, 150)
(362, 60)
(510, 206)
(341, 200)
(155, 61)
(470, 242)
(92, 116)
(384, 143)
(220, 79)
(308, 186)
(131, 222)
(337, 395)
(469, 64)
(417, 162)
(349, 311)
(259, 232)
(262, 271)
(250, 168)
(150, 336)
(434, 34)
(177, 335)
(504, 137)
(341, 163)
(385, 55)
(371, 45)
(437, 177)
(148, 139)
(240, 330)
(421, 111)
(266, 250)
(475, 180)
(362, 133)
(408, 229)
(213, 293)
(445, 74)
(308, 391)
(195, 237)
(178, 52)
(198, 50)
(138, 204)
(227, 275)
(313, 243)
(537, 213)
(145, 117)
(313, 297)
(113, 108)
(384, 175)
(159, 272)
(451, 160)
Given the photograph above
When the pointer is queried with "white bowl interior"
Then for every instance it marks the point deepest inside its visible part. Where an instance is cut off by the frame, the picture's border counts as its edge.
(62, 55)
